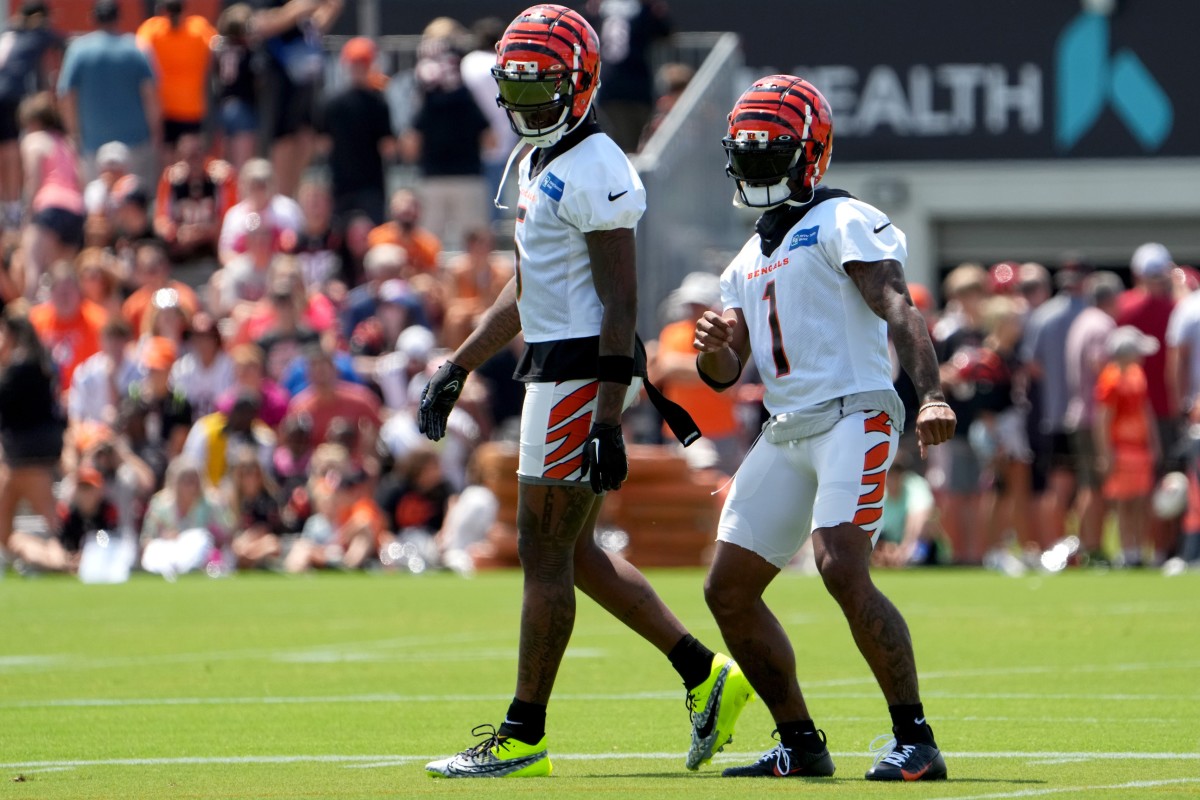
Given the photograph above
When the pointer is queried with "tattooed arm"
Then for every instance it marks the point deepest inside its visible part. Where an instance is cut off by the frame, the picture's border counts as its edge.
(499, 325)
(882, 286)
(614, 274)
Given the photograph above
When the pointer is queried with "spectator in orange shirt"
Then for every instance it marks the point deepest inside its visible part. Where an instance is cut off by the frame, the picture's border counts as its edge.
(347, 529)
(180, 49)
(68, 325)
(674, 371)
(152, 271)
(422, 246)
(193, 195)
(1127, 445)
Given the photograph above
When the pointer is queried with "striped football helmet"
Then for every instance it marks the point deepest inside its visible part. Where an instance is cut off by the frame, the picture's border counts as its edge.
(547, 72)
(779, 142)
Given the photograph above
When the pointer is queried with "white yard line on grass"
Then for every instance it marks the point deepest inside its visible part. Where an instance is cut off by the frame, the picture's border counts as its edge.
(397, 760)
(384, 697)
(1112, 787)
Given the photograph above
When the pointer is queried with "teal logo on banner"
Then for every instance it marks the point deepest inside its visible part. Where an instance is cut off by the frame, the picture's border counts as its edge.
(1091, 78)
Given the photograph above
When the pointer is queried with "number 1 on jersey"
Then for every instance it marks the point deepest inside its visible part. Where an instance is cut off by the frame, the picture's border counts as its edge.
(782, 365)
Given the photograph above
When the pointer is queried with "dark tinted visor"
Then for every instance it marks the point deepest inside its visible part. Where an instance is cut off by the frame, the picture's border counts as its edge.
(760, 164)
(528, 93)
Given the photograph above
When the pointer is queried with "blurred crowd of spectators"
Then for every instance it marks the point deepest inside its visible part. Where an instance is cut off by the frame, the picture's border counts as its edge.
(217, 321)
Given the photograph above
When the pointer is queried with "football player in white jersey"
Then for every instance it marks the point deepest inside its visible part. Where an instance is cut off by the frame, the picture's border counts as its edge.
(812, 299)
(574, 297)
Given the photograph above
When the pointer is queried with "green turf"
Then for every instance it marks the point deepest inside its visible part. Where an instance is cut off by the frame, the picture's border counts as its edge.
(377, 673)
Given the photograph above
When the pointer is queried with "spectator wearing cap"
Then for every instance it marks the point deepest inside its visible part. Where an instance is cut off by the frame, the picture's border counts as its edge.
(397, 371)
(31, 50)
(447, 137)
(383, 263)
(1086, 356)
(246, 277)
(356, 132)
(194, 194)
(249, 376)
(151, 274)
(1147, 307)
(102, 380)
(954, 470)
(155, 415)
(128, 480)
(52, 188)
(261, 207)
(180, 48)
(1127, 444)
(205, 372)
(68, 325)
(99, 197)
(216, 438)
(405, 230)
(474, 279)
(85, 512)
(108, 94)
(328, 397)
(1044, 353)
(673, 370)
(1033, 282)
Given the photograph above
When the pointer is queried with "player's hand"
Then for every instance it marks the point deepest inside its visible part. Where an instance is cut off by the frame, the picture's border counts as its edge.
(935, 424)
(438, 399)
(713, 332)
(604, 458)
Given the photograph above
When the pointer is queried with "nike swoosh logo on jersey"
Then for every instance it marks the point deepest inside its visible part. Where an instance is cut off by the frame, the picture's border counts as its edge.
(612, 196)
(882, 226)
(920, 721)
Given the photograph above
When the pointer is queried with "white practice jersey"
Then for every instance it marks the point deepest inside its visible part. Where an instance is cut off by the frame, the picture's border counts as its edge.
(814, 339)
(590, 187)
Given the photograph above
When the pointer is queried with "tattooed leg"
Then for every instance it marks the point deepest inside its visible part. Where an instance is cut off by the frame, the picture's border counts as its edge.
(755, 639)
(549, 520)
(620, 589)
(843, 554)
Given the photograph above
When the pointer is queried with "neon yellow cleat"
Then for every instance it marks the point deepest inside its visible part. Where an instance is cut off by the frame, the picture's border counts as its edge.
(495, 757)
(715, 706)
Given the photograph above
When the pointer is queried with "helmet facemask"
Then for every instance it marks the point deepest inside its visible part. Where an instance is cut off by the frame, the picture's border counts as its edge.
(540, 104)
(770, 172)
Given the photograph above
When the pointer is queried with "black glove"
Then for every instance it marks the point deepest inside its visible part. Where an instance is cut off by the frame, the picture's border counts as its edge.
(604, 456)
(438, 399)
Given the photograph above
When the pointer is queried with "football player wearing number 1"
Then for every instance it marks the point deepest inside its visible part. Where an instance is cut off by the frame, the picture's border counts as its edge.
(574, 298)
(812, 299)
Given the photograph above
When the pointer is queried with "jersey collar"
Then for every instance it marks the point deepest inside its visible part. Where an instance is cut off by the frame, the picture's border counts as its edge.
(773, 225)
(543, 156)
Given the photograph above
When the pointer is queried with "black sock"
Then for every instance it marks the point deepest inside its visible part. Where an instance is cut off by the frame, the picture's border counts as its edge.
(692, 660)
(525, 722)
(800, 735)
(909, 726)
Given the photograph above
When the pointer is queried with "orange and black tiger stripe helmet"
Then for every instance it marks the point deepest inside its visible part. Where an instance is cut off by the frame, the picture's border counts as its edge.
(547, 61)
(780, 129)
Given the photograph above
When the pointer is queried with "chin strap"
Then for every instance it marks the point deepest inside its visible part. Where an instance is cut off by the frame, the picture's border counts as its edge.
(504, 176)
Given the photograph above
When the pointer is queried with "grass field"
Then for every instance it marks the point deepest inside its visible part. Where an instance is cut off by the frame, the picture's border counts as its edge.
(342, 686)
